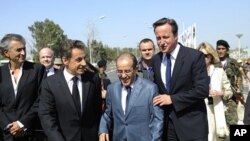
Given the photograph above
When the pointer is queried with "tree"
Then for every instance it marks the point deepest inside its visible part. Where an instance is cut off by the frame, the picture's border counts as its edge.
(46, 34)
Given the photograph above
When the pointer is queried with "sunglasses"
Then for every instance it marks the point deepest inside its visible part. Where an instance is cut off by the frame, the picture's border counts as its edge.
(206, 55)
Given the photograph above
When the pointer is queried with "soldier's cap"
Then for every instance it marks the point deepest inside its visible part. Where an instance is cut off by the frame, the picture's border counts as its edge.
(223, 43)
(58, 61)
(102, 63)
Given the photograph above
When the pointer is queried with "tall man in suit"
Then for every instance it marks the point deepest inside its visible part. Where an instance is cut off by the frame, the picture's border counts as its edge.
(19, 86)
(181, 76)
(129, 106)
(70, 100)
(47, 58)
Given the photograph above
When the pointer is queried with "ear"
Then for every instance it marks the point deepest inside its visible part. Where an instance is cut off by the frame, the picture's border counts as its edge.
(5, 53)
(65, 61)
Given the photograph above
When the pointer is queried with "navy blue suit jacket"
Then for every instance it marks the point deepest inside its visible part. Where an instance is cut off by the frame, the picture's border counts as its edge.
(189, 87)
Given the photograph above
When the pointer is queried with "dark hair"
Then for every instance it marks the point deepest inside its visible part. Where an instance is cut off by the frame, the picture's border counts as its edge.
(102, 63)
(222, 43)
(69, 45)
(145, 40)
(131, 56)
(169, 21)
(5, 42)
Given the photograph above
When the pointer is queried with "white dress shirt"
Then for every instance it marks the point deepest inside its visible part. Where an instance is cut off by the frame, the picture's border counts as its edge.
(124, 97)
(70, 82)
(173, 56)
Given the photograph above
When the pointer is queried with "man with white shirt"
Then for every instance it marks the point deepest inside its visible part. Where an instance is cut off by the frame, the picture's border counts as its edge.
(70, 101)
(19, 87)
(46, 58)
(129, 106)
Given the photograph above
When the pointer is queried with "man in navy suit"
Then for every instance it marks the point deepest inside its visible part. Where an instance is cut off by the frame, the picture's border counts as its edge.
(19, 88)
(70, 100)
(129, 106)
(181, 76)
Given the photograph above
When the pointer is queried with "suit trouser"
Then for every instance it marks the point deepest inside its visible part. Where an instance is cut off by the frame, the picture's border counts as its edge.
(172, 136)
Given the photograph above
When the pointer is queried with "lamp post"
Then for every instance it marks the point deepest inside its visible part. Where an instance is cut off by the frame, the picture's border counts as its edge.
(239, 43)
(91, 37)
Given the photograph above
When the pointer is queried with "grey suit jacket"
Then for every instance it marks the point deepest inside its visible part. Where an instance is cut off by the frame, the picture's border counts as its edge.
(142, 122)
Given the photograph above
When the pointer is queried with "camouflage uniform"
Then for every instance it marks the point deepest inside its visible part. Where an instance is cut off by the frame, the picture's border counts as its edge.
(235, 79)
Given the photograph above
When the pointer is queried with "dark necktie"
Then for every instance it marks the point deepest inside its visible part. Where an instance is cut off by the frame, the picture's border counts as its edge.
(168, 73)
(128, 88)
(76, 95)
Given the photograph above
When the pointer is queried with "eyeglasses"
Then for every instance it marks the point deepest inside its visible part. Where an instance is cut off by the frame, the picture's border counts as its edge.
(127, 72)
(206, 55)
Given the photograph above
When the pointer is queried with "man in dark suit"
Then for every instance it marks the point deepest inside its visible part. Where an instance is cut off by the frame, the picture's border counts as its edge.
(130, 107)
(70, 100)
(47, 58)
(181, 76)
(19, 86)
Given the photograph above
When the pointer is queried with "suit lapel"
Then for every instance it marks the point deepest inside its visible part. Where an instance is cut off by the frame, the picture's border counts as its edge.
(8, 82)
(85, 91)
(117, 93)
(158, 70)
(64, 88)
(134, 94)
(23, 79)
(177, 66)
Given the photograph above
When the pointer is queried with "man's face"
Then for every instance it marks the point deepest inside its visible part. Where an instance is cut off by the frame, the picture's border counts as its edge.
(46, 58)
(165, 38)
(16, 52)
(125, 71)
(76, 65)
(221, 50)
(147, 50)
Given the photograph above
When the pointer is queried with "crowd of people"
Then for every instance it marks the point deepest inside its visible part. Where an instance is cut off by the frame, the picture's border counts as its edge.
(177, 94)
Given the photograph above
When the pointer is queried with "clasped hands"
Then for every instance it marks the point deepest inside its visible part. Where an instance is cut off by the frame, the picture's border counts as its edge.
(15, 130)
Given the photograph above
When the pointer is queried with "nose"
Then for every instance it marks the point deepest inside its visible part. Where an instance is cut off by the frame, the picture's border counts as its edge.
(23, 52)
(83, 62)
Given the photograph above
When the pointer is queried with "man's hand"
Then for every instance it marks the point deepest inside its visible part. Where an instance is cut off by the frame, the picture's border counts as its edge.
(104, 137)
(15, 130)
(162, 99)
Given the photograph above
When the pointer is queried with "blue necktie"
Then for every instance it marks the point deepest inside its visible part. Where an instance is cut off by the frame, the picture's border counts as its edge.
(168, 73)
(128, 88)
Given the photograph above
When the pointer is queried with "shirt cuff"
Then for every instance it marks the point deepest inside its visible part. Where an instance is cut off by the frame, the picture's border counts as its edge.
(20, 124)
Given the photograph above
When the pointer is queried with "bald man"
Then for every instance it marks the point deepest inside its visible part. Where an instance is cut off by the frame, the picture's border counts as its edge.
(46, 58)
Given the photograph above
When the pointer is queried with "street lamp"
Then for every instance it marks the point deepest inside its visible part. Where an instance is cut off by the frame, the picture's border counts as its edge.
(91, 37)
(239, 43)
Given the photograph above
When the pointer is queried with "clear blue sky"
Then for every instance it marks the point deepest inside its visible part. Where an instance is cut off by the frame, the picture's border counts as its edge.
(127, 22)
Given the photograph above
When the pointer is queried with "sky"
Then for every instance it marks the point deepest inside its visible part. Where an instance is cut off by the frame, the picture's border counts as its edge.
(124, 23)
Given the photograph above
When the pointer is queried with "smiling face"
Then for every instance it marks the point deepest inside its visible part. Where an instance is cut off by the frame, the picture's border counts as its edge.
(126, 72)
(46, 57)
(16, 52)
(166, 39)
(76, 64)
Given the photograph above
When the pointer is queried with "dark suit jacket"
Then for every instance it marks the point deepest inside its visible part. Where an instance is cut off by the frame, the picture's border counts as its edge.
(58, 114)
(22, 107)
(189, 87)
(247, 111)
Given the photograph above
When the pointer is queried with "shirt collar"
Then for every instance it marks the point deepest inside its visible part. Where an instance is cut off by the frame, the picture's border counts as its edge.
(174, 53)
(69, 76)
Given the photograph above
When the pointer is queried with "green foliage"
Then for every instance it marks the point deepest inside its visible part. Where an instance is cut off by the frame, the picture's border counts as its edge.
(46, 34)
